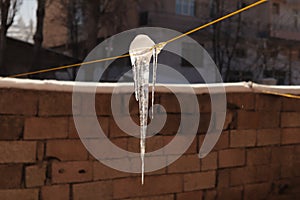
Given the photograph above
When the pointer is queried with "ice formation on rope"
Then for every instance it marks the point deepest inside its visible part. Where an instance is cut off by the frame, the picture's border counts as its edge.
(141, 49)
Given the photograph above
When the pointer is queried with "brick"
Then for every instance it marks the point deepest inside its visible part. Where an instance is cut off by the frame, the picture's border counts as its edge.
(268, 119)
(289, 104)
(55, 192)
(243, 101)
(71, 172)
(223, 178)
(10, 102)
(35, 175)
(210, 194)
(102, 172)
(253, 174)
(290, 119)
(282, 154)
(247, 119)
(233, 193)
(91, 191)
(204, 103)
(116, 131)
(163, 197)
(171, 125)
(242, 138)
(171, 103)
(268, 137)
(66, 150)
(17, 152)
(186, 163)
(194, 195)
(103, 104)
(11, 127)
(192, 148)
(56, 104)
(257, 191)
(205, 119)
(209, 162)
(222, 143)
(11, 176)
(40, 148)
(263, 102)
(26, 194)
(180, 143)
(290, 136)
(258, 156)
(45, 128)
(231, 158)
(200, 180)
(87, 127)
(154, 185)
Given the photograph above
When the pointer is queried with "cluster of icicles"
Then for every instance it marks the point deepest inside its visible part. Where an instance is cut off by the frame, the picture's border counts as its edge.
(142, 48)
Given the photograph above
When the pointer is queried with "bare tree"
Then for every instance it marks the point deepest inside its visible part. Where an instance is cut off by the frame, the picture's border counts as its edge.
(225, 36)
(8, 10)
(38, 36)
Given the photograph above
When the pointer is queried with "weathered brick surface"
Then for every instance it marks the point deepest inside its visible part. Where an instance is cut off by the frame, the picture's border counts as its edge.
(262, 102)
(259, 147)
(10, 102)
(55, 104)
(290, 119)
(257, 191)
(160, 197)
(233, 193)
(11, 127)
(290, 136)
(91, 191)
(268, 137)
(186, 163)
(71, 172)
(17, 152)
(55, 192)
(209, 162)
(231, 158)
(194, 195)
(258, 156)
(11, 176)
(24, 194)
(200, 180)
(35, 175)
(66, 150)
(102, 172)
(222, 143)
(268, 119)
(242, 138)
(87, 128)
(244, 101)
(247, 119)
(45, 128)
(131, 187)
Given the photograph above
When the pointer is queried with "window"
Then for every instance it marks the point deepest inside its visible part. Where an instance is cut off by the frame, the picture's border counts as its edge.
(276, 8)
(185, 7)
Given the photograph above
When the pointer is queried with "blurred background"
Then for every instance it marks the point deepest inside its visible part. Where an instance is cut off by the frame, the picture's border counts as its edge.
(260, 45)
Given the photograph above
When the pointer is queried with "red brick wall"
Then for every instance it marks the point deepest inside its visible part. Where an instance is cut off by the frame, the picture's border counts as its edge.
(41, 157)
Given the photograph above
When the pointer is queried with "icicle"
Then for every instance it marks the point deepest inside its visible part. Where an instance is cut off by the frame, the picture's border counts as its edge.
(156, 50)
(141, 50)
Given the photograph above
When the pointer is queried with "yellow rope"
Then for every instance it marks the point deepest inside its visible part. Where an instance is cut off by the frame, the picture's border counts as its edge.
(281, 94)
(163, 43)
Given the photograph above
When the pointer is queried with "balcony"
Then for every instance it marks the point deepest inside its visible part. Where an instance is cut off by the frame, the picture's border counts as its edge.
(169, 20)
